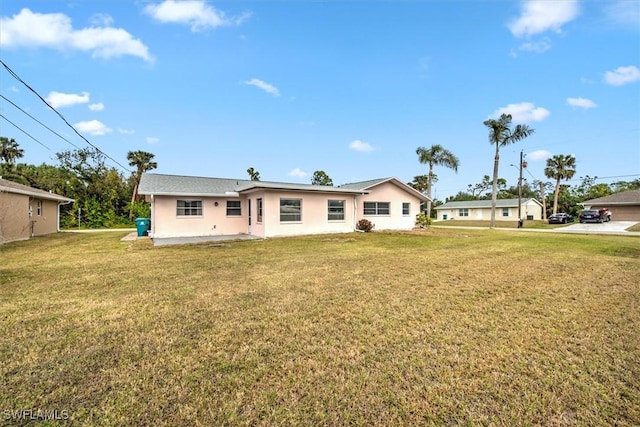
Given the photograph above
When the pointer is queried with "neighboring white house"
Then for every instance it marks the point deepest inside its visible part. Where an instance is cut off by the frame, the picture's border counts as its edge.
(506, 210)
(185, 206)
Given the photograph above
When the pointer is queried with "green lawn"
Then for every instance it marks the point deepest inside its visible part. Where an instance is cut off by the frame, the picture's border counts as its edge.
(437, 327)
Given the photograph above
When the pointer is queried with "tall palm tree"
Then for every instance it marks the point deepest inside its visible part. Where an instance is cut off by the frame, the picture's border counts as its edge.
(142, 161)
(254, 175)
(560, 167)
(10, 151)
(435, 155)
(501, 134)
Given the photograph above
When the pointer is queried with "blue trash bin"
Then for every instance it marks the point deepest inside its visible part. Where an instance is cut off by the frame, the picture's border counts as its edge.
(142, 224)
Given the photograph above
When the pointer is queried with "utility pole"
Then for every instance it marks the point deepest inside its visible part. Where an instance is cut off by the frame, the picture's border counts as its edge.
(544, 203)
(520, 190)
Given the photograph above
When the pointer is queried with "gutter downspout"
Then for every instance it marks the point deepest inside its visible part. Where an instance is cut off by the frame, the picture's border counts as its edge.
(58, 218)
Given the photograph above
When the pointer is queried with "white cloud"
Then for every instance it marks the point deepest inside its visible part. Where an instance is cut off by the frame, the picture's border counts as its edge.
(539, 155)
(298, 173)
(99, 106)
(622, 75)
(358, 145)
(264, 86)
(152, 140)
(13, 89)
(126, 131)
(195, 13)
(539, 16)
(59, 99)
(623, 12)
(537, 46)
(581, 102)
(54, 30)
(101, 20)
(523, 112)
(92, 127)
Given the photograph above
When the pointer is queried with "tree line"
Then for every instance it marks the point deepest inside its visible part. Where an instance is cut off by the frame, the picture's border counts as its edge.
(103, 196)
(553, 195)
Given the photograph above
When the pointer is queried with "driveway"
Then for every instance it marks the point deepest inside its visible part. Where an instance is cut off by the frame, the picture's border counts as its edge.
(612, 227)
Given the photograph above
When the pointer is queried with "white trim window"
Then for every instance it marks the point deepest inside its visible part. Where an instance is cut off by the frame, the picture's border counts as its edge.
(259, 209)
(505, 211)
(189, 208)
(234, 208)
(39, 208)
(335, 210)
(463, 212)
(290, 210)
(406, 206)
(376, 208)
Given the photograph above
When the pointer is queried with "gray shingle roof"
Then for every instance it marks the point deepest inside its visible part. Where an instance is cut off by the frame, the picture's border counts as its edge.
(161, 184)
(631, 197)
(500, 203)
(14, 187)
(366, 185)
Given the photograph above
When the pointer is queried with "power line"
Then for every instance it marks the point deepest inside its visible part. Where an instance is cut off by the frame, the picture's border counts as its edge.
(47, 127)
(25, 132)
(15, 76)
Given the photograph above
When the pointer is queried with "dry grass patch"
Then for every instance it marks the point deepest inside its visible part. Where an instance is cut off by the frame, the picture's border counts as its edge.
(440, 326)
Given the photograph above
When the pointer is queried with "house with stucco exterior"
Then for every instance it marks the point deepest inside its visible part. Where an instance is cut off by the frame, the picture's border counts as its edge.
(26, 212)
(624, 206)
(506, 210)
(187, 206)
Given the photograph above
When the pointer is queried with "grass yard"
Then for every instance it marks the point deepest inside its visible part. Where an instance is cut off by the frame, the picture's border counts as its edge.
(437, 327)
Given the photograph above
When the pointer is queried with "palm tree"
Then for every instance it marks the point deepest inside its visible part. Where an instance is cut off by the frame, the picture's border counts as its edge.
(254, 175)
(501, 134)
(560, 167)
(10, 151)
(142, 161)
(436, 155)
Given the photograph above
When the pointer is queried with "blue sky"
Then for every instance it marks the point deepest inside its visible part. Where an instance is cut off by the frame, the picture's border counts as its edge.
(348, 87)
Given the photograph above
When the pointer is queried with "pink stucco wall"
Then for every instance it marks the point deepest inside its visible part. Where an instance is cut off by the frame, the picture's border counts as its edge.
(389, 192)
(214, 220)
(314, 214)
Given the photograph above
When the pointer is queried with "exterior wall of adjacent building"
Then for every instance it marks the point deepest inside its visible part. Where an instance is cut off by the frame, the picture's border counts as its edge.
(529, 211)
(22, 216)
(44, 216)
(620, 213)
(15, 223)
(395, 196)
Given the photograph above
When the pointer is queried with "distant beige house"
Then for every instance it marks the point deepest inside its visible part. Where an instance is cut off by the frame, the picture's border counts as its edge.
(506, 210)
(186, 206)
(26, 212)
(624, 206)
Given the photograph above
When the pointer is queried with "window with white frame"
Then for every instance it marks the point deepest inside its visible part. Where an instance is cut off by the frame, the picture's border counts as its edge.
(290, 210)
(405, 208)
(335, 210)
(505, 211)
(39, 208)
(234, 208)
(189, 208)
(376, 208)
(463, 212)
(259, 209)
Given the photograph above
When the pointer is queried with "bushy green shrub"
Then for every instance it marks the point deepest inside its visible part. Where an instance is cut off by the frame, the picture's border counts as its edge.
(365, 225)
(423, 220)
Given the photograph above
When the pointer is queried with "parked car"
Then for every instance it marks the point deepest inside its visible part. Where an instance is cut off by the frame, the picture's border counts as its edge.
(594, 215)
(560, 218)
